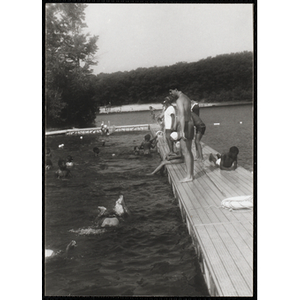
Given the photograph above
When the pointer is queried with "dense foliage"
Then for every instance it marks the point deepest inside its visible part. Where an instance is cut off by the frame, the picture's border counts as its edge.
(227, 77)
(72, 92)
(69, 82)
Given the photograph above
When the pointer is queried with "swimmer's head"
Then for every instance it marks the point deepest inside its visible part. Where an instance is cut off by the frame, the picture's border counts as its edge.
(147, 137)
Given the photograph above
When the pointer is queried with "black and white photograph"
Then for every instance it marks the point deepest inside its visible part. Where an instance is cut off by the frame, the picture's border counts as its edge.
(143, 150)
(149, 149)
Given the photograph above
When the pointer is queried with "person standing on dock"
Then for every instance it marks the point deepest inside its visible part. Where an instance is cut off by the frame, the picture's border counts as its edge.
(200, 128)
(170, 123)
(185, 131)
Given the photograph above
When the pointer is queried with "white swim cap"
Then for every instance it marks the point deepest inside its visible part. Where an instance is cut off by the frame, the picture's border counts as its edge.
(174, 135)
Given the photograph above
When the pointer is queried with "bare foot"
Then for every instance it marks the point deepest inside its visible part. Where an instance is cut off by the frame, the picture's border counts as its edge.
(187, 179)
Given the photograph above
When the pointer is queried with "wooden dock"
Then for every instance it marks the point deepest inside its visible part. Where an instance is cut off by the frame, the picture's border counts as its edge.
(223, 239)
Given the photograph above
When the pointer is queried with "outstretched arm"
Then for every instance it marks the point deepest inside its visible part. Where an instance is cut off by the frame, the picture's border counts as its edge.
(233, 166)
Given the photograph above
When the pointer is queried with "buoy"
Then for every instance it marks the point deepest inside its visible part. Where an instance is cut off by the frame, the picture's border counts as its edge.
(81, 137)
(241, 122)
(113, 154)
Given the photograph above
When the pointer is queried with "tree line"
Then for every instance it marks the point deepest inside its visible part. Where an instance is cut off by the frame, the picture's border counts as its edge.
(69, 82)
(73, 93)
(227, 77)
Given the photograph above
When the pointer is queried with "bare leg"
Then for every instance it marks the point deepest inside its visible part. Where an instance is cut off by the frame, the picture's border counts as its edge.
(198, 147)
(186, 147)
(165, 162)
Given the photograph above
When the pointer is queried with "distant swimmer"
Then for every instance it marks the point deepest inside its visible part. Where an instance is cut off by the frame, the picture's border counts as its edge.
(96, 151)
(63, 171)
(69, 161)
(71, 246)
(48, 153)
(48, 164)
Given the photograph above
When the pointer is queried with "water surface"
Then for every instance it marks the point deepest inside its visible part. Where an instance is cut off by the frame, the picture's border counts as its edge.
(235, 129)
(150, 253)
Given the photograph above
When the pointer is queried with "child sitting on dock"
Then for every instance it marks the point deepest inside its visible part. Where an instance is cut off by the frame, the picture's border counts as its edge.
(148, 144)
(226, 161)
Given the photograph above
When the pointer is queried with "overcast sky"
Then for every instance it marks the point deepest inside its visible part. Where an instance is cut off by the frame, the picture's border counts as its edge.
(147, 35)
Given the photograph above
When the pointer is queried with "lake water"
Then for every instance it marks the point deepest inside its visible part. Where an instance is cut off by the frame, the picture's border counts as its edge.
(149, 254)
(235, 129)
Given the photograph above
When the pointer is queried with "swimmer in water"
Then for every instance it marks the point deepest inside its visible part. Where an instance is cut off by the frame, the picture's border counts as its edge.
(148, 144)
(96, 151)
(71, 246)
(48, 164)
(63, 171)
(69, 161)
(110, 219)
(48, 152)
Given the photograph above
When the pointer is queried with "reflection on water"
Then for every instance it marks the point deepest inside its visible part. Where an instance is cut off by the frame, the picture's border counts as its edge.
(150, 253)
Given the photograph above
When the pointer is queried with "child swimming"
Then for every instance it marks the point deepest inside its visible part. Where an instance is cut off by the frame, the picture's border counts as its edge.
(226, 161)
(147, 144)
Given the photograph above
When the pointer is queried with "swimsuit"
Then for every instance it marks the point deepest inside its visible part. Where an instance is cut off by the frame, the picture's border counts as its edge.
(198, 123)
(189, 129)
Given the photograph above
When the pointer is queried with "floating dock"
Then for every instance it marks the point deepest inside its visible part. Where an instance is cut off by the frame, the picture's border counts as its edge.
(223, 239)
(99, 130)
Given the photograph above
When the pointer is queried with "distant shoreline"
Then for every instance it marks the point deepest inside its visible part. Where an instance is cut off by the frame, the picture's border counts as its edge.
(158, 106)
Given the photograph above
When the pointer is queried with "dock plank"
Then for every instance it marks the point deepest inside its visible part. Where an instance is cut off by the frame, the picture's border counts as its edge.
(225, 237)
